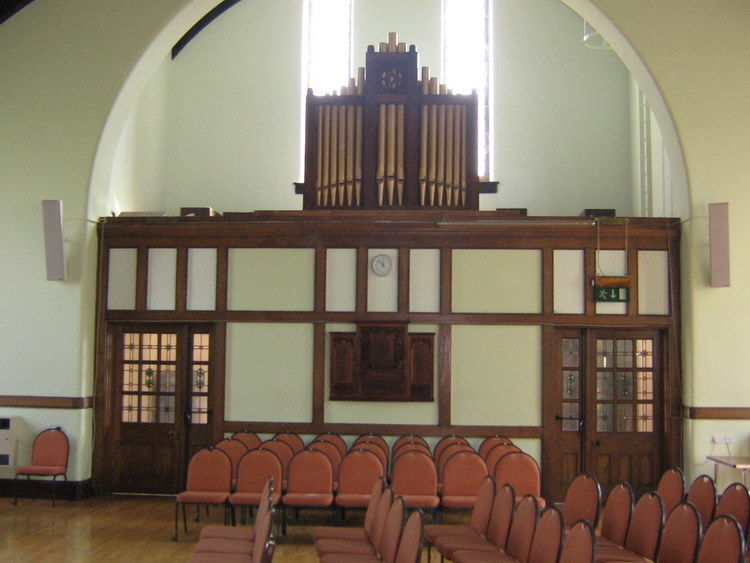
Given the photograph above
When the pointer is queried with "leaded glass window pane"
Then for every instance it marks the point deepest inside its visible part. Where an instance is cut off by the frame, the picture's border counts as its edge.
(167, 381)
(571, 415)
(644, 386)
(130, 408)
(624, 385)
(166, 409)
(624, 417)
(624, 353)
(604, 413)
(604, 386)
(148, 408)
(644, 417)
(605, 354)
(571, 352)
(644, 353)
(200, 410)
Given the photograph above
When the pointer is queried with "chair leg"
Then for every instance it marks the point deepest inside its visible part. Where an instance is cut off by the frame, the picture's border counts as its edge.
(176, 520)
(15, 490)
(54, 489)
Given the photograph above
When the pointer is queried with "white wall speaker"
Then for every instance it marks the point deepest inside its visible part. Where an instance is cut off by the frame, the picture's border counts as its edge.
(718, 243)
(54, 246)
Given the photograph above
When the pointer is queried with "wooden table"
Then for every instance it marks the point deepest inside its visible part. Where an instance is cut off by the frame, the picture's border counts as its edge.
(734, 461)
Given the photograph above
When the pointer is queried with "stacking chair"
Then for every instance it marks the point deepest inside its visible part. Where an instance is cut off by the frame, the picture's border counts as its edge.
(408, 445)
(520, 470)
(681, 535)
(616, 515)
(671, 488)
(580, 544)
(702, 493)
(209, 480)
(292, 439)
(49, 458)
(375, 449)
(520, 537)
(334, 439)
(498, 529)
(442, 458)
(310, 482)
(497, 451)
(235, 450)
(255, 469)
(644, 531)
(490, 441)
(250, 439)
(358, 472)
(412, 539)
(735, 501)
(446, 441)
(374, 438)
(583, 499)
(414, 477)
(407, 438)
(722, 541)
(331, 451)
(247, 533)
(284, 452)
(463, 473)
(548, 537)
(344, 533)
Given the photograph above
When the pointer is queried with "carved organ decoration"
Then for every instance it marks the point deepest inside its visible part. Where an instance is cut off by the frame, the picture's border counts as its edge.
(382, 362)
(389, 140)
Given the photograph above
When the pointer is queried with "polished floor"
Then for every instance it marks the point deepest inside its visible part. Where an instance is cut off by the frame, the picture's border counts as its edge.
(122, 528)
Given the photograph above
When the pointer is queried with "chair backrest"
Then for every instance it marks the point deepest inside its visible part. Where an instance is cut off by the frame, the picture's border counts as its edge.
(332, 453)
(722, 541)
(310, 471)
(375, 449)
(702, 493)
(520, 470)
(256, 467)
(681, 535)
(671, 488)
(209, 470)
(496, 452)
(334, 439)
(406, 445)
(407, 438)
(250, 439)
(447, 452)
(617, 512)
(375, 438)
(490, 441)
(501, 516)
(394, 521)
(359, 471)
(412, 539)
(414, 473)
(292, 439)
(522, 528)
(644, 531)
(463, 474)
(262, 536)
(234, 449)
(378, 488)
(51, 448)
(580, 544)
(583, 499)
(283, 451)
(548, 536)
(735, 501)
(375, 533)
(446, 441)
(480, 514)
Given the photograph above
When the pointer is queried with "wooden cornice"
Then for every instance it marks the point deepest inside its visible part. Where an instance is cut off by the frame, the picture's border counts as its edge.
(716, 413)
(33, 402)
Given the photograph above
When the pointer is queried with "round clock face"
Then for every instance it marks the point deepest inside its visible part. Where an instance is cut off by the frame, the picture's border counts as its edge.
(382, 265)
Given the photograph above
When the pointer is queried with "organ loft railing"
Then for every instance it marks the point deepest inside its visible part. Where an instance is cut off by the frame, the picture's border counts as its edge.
(391, 141)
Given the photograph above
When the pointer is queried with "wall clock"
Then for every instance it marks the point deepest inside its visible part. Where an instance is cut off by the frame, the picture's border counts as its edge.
(381, 265)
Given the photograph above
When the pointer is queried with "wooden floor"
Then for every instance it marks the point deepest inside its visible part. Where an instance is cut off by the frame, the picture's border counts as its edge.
(123, 528)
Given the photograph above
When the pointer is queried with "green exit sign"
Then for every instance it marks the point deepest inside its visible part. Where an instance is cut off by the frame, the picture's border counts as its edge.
(611, 294)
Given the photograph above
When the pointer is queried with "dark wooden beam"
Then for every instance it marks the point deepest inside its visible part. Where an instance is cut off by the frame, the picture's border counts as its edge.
(201, 24)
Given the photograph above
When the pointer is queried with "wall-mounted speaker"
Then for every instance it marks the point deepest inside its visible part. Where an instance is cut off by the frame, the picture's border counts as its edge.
(718, 242)
(54, 245)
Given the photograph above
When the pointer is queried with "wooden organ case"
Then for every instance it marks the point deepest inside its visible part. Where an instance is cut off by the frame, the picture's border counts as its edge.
(391, 141)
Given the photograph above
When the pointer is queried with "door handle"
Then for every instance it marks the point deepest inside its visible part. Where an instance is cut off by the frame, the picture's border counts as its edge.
(596, 443)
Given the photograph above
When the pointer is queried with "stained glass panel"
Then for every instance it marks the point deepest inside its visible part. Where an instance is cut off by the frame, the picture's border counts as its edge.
(148, 408)
(130, 408)
(571, 385)
(571, 352)
(167, 381)
(604, 417)
(624, 385)
(166, 409)
(200, 410)
(604, 386)
(644, 386)
(571, 415)
(624, 417)
(605, 354)
(644, 417)
(130, 378)
(644, 353)
(624, 351)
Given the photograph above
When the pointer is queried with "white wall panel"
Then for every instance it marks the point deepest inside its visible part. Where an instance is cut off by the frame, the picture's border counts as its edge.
(201, 283)
(382, 291)
(341, 279)
(424, 280)
(569, 281)
(162, 279)
(123, 266)
(653, 282)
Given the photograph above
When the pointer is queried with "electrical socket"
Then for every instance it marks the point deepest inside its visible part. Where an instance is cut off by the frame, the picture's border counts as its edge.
(722, 439)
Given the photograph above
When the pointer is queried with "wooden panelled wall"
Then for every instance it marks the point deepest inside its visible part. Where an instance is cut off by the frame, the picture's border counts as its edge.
(319, 231)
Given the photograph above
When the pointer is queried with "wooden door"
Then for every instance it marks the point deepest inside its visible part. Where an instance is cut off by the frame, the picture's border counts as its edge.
(162, 378)
(606, 396)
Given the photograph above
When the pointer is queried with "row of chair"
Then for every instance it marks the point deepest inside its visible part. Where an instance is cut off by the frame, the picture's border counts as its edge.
(387, 535)
(246, 544)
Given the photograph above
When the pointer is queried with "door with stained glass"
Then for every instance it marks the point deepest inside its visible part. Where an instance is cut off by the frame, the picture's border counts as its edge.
(604, 391)
(162, 384)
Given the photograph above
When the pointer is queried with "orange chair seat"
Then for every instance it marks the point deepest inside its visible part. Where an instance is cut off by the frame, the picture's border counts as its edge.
(459, 501)
(330, 546)
(421, 501)
(308, 499)
(40, 470)
(252, 498)
(202, 497)
(228, 532)
(224, 545)
(434, 531)
(353, 499)
(448, 545)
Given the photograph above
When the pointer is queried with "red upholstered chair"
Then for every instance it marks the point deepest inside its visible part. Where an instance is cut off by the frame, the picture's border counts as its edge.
(292, 439)
(583, 499)
(735, 502)
(492, 441)
(497, 451)
(339, 532)
(671, 488)
(49, 458)
(618, 508)
(285, 453)
(359, 471)
(442, 458)
(702, 493)
(722, 541)
(247, 533)
(548, 537)
(375, 438)
(235, 450)
(644, 532)
(334, 439)
(412, 539)
(333, 454)
(579, 545)
(520, 470)
(463, 473)
(250, 439)
(407, 438)
(375, 449)
(255, 469)
(310, 482)
(681, 535)
(446, 441)
(209, 480)
(414, 477)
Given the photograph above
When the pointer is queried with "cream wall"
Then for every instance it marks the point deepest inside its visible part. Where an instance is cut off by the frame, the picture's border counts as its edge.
(73, 70)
